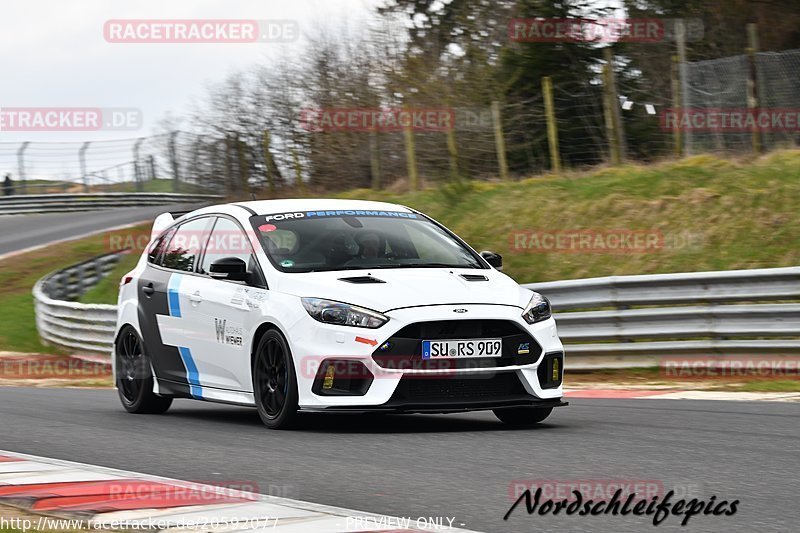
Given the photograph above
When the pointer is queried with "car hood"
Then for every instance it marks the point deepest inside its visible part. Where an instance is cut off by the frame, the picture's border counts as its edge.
(407, 287)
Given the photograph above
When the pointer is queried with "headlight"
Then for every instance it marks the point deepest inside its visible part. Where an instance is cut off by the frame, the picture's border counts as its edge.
(538, 309)
(331, 312)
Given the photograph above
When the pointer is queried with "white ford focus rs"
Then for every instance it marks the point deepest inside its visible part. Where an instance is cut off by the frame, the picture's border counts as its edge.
(330, 305)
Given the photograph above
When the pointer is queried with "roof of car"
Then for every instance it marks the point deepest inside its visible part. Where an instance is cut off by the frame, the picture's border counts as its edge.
(266, 207)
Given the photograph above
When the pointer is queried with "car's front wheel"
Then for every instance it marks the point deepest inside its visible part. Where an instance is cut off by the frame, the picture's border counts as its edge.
(523, 416)
(134, 378)
(274, 381)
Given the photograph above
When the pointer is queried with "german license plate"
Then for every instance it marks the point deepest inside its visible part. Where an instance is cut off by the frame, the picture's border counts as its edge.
(462, 348)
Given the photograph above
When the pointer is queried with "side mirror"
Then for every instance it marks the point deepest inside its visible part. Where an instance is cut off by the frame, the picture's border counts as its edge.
(496, 260)
(230, 268)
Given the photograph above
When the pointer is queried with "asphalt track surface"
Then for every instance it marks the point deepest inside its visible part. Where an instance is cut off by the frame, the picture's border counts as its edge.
(441, 465)
(18, 232)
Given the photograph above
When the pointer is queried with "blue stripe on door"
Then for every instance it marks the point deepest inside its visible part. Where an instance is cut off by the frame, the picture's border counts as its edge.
(173, 296)
(174, 303)
(192, 375)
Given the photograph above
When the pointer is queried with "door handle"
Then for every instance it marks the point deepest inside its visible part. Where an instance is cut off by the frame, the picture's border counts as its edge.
(195, 297)
(148, 290)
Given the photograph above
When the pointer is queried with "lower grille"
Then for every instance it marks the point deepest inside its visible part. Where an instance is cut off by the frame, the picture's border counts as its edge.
(419, 388)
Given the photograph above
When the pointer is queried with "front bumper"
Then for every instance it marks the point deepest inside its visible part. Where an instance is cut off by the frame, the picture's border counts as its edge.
(417, 388)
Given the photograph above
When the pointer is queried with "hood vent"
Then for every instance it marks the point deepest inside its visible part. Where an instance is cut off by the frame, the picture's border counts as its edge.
(362, 279)
(474, 277)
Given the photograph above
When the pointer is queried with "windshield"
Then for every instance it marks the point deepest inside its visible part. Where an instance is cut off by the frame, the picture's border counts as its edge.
(313, 241)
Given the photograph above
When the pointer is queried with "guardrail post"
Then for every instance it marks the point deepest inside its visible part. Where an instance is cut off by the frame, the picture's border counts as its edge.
(82, 158)
(21, 167)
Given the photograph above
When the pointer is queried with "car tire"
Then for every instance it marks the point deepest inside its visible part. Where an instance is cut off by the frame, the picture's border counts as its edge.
(275, 381)
(523, 416)
(134, 379)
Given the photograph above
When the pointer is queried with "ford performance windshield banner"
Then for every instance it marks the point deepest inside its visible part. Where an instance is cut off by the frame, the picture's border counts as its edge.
(339, 213)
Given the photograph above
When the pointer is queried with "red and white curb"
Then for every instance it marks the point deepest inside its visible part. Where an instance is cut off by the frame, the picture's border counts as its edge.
(684, 395)
(106, 498)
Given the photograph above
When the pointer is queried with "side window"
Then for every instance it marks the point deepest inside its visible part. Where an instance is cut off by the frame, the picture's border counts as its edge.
(227, 240)
(185, 245)
(157, 247)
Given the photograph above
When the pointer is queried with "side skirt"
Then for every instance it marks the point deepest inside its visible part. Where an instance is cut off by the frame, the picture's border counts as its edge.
(181, 390)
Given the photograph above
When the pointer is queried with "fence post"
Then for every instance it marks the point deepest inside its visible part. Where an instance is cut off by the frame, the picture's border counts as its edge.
(375, 160)
(680, 37)
(676, 104)
(244, 174)
(230, 183)
(411, 158)
(608, 116)
(552, 127)
(752, 80)
(82, 159)
(298, 171)
(173, 159)
(610, 87)
(452, 150)
(267, 170)
(499, 140)
(137, 170)
(21, 167)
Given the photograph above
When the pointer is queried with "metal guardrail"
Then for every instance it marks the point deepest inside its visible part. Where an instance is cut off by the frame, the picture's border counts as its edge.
(70, 324)
(608, 329)
(757, 285)
(53, 203)
(598, 316)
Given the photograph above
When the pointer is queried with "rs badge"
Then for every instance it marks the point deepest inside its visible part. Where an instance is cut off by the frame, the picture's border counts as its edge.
(523, 348)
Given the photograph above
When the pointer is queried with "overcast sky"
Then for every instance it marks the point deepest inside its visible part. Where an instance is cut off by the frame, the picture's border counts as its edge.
(53, 54)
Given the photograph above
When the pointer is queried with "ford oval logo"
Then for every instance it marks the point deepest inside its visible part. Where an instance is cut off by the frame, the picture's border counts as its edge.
(459, 310)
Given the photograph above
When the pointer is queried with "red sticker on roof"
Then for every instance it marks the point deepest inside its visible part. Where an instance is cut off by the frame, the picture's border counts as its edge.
(266, 228)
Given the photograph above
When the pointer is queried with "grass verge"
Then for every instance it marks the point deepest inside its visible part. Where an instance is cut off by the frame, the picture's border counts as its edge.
(19, 274)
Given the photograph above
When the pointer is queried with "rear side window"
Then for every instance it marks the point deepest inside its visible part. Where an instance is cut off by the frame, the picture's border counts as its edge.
(158, 247)
(186, 243)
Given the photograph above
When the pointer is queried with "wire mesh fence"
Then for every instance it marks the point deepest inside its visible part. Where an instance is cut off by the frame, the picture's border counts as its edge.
(476, 140)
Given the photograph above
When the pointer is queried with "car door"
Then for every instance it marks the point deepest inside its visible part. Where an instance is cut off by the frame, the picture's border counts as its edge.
(165, 314)
(227, 311)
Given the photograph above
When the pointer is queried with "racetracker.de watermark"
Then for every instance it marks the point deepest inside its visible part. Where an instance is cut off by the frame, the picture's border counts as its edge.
(602, 240)
(603, 489)
(603, 30)
(377, 119)
(219, 242)
(730, 366)
(732, 120)
(70, 118)
(51, 367)
(163, 31)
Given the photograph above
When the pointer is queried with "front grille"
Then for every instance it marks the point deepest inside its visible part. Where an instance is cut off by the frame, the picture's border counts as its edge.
(403, 350)
(498, 387)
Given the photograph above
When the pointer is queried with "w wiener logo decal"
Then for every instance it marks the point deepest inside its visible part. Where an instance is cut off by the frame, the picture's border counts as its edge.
(227, 334)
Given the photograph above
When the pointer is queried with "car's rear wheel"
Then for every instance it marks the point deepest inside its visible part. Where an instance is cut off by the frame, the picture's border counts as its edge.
(523, 416)
(275, 382)
(134, 378)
